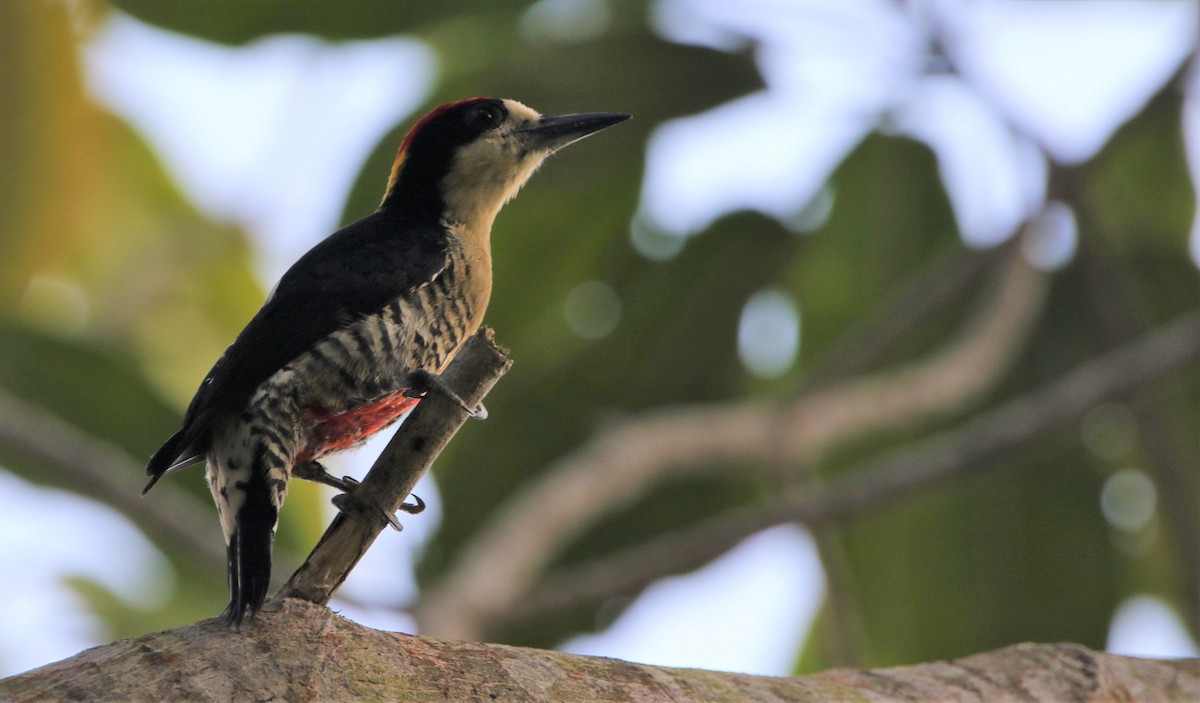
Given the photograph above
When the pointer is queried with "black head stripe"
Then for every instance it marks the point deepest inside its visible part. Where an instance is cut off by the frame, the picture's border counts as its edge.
(430, 147)
(453, 125)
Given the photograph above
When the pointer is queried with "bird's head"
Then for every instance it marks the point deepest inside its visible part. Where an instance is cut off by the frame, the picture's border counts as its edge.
(464, 160)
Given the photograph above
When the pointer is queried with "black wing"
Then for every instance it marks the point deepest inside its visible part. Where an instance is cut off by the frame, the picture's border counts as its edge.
(354, 272)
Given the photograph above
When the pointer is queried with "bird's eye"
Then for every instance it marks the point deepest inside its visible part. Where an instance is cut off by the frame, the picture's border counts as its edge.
(484, 117)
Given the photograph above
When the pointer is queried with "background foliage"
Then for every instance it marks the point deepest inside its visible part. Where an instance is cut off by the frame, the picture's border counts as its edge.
(116, 294)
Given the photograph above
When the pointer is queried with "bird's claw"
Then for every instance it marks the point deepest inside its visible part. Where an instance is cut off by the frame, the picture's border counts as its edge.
(346, 501)
(350, 505)
(422, 382)
(414, 508)
(314, 471)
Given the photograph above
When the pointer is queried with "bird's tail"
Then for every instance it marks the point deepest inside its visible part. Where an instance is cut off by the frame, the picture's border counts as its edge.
(173, 455)
(254, 504)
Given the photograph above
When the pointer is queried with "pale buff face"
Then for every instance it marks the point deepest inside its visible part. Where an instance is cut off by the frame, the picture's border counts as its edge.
(489, 172)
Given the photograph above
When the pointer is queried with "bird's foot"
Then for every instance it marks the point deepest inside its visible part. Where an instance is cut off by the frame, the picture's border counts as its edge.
(314, 471)
(422, 382)
(346, 501)
(350, 504)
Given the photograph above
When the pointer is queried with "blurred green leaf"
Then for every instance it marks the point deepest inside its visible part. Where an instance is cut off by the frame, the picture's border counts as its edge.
(101, 392)
(1138, 188)
(47, 143)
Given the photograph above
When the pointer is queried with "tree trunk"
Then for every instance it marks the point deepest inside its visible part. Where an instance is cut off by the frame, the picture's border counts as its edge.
(298, 651)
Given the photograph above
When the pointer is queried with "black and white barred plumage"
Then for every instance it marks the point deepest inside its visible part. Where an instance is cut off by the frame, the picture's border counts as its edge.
(329, 358)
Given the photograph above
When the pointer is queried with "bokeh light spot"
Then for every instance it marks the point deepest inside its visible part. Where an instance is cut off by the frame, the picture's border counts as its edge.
(769, 333)
(1050, 240)
(653, 242)
(567, 21)
(1128, 500)
(592, 309)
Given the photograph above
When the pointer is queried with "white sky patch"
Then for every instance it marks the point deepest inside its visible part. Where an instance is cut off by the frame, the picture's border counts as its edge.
(832, 67)
(1064, 73)
(678, 21)
(1144, 626)
(1067, 72)
(979, 157)
(247, 130)
(748, 611)
(859, 55)
(760, 152)
(49, 535)
(1191, 134)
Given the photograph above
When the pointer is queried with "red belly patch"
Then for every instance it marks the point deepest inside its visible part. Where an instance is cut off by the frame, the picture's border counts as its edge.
(332, 432)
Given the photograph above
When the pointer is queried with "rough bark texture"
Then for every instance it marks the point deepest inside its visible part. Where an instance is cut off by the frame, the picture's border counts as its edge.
(298, 651)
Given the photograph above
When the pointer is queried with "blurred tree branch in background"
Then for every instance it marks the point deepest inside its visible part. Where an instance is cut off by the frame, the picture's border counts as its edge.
(971, 448)
(620, 464)
(106, 473)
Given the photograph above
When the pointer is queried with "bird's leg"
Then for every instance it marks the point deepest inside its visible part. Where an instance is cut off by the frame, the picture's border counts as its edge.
(346, 501)
(314, 471)
(422, 382)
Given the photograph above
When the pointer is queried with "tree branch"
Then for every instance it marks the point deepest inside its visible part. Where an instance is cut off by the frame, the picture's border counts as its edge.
(411, 452)
(621, 464)
(306, 652)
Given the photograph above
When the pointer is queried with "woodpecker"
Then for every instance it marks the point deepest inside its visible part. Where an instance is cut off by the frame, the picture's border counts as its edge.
(358, 329)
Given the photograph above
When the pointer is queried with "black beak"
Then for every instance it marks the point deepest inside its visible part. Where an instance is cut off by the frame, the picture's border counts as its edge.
(550, 134)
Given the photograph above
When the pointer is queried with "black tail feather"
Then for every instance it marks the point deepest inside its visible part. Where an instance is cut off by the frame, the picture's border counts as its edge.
(162, 460)
(249, 553)
(176, 453)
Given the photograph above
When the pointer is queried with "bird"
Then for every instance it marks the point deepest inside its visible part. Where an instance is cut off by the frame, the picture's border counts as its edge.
(358, 330)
